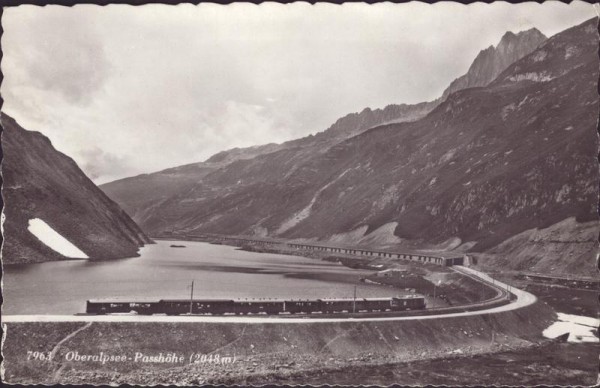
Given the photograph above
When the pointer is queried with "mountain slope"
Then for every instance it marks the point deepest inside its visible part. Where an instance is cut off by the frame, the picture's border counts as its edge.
(42, 183)
(486, 164)
(141, 195)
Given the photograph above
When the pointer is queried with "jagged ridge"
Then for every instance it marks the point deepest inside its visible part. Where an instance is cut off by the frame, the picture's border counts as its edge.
(140, 195)
(467, 170)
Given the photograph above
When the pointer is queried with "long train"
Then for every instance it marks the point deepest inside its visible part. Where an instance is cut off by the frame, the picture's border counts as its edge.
(255, 306)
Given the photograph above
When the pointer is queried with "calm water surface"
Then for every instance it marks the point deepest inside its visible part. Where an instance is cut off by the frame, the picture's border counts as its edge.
(218, 271)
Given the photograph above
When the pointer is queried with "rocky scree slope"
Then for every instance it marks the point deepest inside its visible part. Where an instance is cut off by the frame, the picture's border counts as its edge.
(40, 182)
(486, 164)
(141, 195)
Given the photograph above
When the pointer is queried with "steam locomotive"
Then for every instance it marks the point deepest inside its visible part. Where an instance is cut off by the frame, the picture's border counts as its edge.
(255, 306)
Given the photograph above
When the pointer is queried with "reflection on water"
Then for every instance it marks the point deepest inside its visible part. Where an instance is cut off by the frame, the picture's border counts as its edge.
(219, 271)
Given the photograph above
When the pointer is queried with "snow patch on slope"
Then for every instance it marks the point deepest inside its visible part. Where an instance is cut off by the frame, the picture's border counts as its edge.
(54, 240)
(580, 328)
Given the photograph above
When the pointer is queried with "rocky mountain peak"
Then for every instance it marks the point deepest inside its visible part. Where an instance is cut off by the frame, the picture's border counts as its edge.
(487, 65)
(491, 61)
(520, 44)
(509, 35)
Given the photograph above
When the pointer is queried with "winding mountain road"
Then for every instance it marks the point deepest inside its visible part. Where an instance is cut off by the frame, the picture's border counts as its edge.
(522, 299)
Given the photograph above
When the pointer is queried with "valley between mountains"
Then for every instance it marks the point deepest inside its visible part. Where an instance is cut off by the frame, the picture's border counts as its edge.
(505, 157)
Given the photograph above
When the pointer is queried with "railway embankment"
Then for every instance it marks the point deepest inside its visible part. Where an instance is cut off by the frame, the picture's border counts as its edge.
(251, 349)
(449, 287)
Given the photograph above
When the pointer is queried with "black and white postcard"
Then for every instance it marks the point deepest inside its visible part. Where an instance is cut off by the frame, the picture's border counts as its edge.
(356, 194)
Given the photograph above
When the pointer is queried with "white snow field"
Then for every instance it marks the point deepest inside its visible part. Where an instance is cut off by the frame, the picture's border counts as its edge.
(54, 240)
(579, 328)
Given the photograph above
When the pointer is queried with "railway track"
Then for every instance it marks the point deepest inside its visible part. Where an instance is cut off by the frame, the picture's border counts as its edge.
(504, 300)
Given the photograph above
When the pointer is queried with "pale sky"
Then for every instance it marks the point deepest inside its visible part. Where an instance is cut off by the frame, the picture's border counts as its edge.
(126, 90)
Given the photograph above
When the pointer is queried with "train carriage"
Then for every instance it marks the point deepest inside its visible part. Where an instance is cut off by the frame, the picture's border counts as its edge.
(255, 306)
(302, 306)
(409, 302)
(378, 304)
(336, 305)
(270, 307)
(358, 305)
(111, 306)
(198, 306)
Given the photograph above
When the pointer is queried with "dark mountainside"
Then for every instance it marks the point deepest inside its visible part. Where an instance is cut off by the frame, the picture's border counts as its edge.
(485, 165)
(142, 194)
(40, 182)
